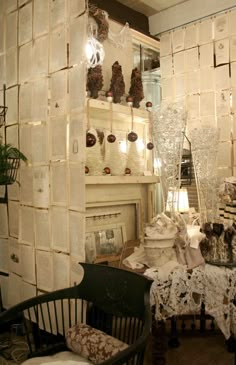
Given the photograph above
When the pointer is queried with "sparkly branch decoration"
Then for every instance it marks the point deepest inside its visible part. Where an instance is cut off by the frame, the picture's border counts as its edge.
(136, 87)
(94, 81)
(169, 124)
(204, 145)
(117, 86)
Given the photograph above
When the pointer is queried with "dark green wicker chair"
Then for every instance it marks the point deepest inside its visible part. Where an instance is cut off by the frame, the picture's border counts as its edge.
(113, 300)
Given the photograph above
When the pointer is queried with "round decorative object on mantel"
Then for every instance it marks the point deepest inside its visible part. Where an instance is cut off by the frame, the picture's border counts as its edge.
(90, 139)
(107, 170)
(109, 96)
(111, 138)
(149, 105)
(132, 136)
(129, 100)
(150, 146)
(127, 171)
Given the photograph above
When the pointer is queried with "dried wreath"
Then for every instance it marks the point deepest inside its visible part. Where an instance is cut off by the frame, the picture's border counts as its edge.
(101, 18)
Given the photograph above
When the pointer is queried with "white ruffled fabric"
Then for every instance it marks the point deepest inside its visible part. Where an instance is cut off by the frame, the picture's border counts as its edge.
(161, 227)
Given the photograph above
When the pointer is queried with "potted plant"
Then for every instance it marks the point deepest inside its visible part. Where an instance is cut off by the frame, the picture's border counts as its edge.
(9, 163)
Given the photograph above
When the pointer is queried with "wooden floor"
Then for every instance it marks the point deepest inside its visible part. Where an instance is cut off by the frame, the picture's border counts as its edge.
(208, 350)
(193, 350)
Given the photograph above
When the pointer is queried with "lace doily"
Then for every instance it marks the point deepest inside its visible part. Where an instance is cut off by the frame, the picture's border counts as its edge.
(184, 292)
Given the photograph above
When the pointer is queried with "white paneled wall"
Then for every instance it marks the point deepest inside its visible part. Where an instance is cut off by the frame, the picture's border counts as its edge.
(42, 65)
(198, 68)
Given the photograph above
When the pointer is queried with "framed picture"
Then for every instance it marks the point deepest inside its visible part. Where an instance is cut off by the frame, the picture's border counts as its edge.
(105, 243)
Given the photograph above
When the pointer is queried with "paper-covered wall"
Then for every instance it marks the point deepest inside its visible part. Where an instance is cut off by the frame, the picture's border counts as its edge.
(198, 68)
(42, 65)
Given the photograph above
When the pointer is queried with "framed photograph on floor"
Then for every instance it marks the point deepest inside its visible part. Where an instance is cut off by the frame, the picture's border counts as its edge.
(105, 243)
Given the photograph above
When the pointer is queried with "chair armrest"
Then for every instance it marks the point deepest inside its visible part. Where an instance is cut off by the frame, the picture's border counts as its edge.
(126, 354)
(137, 347)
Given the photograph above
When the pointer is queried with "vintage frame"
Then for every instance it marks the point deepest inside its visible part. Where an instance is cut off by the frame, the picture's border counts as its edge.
(105, 242)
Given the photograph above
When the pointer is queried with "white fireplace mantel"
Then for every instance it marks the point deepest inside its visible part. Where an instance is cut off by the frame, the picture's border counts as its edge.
(104, 180)
(103, 192)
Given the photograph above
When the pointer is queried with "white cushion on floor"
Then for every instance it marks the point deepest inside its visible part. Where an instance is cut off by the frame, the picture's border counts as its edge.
(61, 358)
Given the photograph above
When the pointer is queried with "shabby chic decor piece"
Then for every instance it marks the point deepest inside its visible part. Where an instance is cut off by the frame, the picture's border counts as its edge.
(219, 246)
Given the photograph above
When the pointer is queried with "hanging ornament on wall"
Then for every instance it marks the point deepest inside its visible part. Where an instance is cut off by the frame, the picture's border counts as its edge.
(90, 137)
(111, 137)
(150, 145)
(132, 136)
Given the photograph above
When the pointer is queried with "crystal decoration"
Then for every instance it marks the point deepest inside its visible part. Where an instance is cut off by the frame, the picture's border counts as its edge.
(204, 143)
(169, 124)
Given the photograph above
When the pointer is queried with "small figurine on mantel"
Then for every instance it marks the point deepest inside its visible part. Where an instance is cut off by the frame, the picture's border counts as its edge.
(117, 86)
(136, 87)
(94, 81)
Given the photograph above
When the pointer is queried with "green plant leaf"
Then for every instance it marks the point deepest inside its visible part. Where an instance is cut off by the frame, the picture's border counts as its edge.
(8, 151)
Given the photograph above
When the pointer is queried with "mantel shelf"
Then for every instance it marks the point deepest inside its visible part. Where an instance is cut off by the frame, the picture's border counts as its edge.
(102, 180)
(101, 109)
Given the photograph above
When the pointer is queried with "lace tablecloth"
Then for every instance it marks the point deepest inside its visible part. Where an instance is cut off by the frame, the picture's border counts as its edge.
(183, 292)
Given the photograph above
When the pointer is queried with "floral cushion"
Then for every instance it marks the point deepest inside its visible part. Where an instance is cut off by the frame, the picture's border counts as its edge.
(93, 344)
